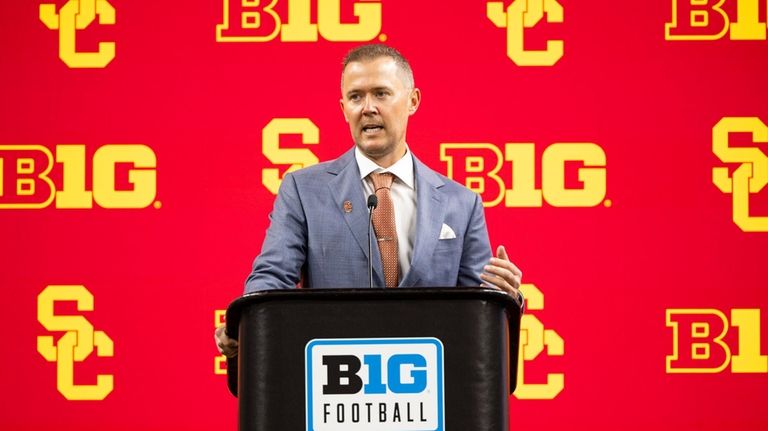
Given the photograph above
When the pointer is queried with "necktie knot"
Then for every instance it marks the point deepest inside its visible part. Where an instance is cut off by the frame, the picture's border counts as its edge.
(382, 180)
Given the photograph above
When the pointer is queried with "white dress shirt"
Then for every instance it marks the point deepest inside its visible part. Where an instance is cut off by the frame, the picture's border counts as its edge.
(403, 193)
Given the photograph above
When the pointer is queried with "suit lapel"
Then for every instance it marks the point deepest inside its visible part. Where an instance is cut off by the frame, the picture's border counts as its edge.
(345, 186)
(430, 213)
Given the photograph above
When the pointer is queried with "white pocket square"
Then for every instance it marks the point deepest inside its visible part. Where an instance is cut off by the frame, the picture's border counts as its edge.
(446, 232)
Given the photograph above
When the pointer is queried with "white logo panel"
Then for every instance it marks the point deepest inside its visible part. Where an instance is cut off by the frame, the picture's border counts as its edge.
(374, 384)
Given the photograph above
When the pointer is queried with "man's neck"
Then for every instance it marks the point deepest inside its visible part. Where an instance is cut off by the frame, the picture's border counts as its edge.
(389, 159)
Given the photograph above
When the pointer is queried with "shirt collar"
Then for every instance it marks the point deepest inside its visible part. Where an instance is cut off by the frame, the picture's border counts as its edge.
(402, 169)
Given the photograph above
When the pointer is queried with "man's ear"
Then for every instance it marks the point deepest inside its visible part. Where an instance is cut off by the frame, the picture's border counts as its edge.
(341, 104)
(414, 100)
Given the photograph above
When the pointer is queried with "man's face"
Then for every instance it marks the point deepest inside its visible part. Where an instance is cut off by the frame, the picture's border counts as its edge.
(376, 104)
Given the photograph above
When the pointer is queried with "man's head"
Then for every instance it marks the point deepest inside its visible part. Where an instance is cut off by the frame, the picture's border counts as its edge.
(377, 97)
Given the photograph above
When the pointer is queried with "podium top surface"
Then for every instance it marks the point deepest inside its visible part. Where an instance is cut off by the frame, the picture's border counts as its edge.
(235, 309)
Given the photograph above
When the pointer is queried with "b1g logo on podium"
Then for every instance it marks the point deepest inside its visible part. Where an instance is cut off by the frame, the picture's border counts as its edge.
(376, 384)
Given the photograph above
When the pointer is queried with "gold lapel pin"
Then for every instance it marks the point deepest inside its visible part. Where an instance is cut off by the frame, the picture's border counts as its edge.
(347, 206)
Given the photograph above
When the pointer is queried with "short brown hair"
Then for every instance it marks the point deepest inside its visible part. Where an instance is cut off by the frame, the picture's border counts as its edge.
(372, 52)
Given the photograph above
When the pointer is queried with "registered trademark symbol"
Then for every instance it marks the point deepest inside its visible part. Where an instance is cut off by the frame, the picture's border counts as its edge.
(157, 204)
(383, 37)
(608, 203)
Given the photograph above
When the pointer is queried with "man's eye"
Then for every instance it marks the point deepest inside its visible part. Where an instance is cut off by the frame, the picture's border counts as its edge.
(381, 94)
(354, 97)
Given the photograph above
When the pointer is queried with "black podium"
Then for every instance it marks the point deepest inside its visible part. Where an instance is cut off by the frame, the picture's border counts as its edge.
(374, 359)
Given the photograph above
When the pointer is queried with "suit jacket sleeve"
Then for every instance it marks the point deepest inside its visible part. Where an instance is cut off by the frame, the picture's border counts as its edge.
(284, 250)
(476, 251)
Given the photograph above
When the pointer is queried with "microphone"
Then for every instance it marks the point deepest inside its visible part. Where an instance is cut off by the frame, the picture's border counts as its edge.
(373, 202)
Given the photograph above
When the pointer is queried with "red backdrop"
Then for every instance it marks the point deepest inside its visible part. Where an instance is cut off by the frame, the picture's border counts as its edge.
(648, 265)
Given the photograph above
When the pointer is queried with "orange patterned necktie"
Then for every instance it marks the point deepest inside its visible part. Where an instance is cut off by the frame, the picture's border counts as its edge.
(384, 226)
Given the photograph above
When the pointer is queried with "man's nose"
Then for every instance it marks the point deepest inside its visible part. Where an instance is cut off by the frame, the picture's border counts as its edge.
(370, 107)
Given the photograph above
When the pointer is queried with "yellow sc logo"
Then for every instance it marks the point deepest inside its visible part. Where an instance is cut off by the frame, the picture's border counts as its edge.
(750, 176)
(78, 15)
(534, 339)
(522, 14)
(295, 158)
(75, 345)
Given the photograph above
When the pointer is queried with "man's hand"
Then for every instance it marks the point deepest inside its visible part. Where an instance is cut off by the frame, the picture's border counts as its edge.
(227, 346)
(502, 274)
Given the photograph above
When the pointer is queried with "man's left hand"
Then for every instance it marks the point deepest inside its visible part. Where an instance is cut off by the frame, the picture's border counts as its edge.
(502, 274)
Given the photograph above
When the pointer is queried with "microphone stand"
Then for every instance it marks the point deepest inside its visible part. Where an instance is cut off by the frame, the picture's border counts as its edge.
(373, 202)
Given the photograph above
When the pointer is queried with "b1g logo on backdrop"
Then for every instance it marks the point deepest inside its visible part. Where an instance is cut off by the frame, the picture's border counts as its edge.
(520, 15)
(123, 176)
(382, 384)
(713, 19)
(699, 343)
(264, 20)
(78, 15)
(751, 175)
(572, 174)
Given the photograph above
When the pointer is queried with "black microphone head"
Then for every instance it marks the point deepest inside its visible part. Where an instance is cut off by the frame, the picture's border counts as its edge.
(373, 202)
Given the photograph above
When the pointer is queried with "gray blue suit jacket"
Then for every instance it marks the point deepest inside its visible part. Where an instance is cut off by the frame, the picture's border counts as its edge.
(311, 235)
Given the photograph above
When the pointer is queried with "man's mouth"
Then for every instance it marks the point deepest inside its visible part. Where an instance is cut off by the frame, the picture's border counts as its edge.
(371, 129)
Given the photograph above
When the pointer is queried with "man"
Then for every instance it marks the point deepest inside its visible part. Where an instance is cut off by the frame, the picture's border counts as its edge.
(430, 230)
